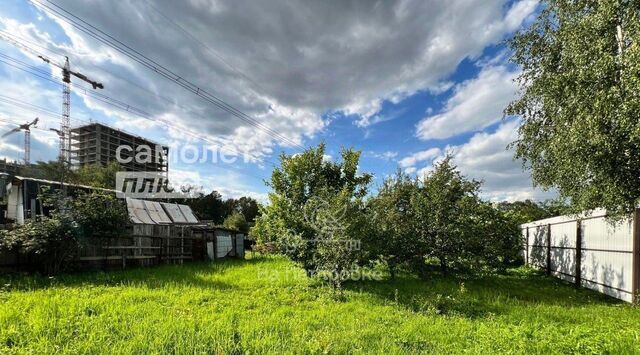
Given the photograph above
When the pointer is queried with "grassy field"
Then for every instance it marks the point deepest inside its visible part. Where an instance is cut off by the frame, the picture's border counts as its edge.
(266, 305)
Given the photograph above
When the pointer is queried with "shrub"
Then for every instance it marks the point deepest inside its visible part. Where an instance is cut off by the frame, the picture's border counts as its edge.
(50, 243)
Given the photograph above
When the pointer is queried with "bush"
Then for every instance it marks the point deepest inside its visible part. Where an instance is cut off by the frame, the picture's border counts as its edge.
(50, 243)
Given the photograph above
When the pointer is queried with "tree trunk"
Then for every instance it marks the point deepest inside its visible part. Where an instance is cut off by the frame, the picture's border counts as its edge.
(443, 266)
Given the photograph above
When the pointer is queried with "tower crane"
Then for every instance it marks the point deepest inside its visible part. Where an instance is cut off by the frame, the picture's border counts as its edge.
(65, 124)
(27, 138)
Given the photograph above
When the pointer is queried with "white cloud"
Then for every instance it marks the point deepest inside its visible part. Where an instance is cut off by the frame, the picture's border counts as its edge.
(228, 184)
(281, 64)
(474, 105)
(387, 155)
(415, 158)
(485, 157)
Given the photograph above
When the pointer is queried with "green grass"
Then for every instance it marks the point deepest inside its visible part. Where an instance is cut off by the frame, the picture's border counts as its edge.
(240, 306)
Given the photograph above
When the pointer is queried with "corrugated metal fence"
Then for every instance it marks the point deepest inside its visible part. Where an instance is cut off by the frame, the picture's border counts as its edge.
(588, 250)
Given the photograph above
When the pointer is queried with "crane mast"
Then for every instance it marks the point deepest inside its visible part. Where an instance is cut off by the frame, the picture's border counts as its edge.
(65, 123)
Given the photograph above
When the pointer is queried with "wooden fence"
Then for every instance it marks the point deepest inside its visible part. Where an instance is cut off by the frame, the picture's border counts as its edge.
(588, 250)
(145, 245)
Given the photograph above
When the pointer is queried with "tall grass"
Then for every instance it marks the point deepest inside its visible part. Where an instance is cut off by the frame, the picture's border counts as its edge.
(267, 305)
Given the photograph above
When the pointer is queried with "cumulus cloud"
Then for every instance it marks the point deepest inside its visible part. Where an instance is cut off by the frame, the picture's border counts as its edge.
(387, 155)
(413, 159)
(282, 63)
(486, 157)
(474, 105)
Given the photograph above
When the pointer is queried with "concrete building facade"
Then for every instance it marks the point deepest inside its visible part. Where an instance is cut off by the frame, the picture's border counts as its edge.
(96, 143)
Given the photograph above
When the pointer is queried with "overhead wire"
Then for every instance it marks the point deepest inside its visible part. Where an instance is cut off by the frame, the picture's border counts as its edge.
(154, 66)
(84, 90)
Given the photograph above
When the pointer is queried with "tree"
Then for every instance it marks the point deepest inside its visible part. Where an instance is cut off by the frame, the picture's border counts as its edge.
(496, 241)
(248, 206)
(304, 187)
(523, 211)
(392, 219)
(236, 221)
(579, 101)
(99, 214)
(97, 175)
(209, 207)
(443, 209)
(342, 224)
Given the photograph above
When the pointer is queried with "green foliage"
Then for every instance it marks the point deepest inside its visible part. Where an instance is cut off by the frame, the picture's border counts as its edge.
(342, 224)
(97, 175)
(212, 207)
(580, 77)
(443, 209)
(266, 305)
(236, 221)
(393, 222)
(89, 175)
(51, 242)
(99, 214)
(310, 196)
(47, 242)
(247, 206)
(496, 241)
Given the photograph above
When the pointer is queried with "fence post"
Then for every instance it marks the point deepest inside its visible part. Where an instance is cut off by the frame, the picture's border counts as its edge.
(526, 250)
(548, 249)
(578, 272)
(635, 273)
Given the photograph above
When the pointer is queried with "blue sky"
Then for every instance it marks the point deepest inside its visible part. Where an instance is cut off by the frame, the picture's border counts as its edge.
(404, 82)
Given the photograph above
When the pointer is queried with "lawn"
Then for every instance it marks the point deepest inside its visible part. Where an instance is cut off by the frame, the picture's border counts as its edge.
(266, 305)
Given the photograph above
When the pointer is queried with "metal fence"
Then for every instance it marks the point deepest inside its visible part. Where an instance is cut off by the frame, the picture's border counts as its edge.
(588, 250)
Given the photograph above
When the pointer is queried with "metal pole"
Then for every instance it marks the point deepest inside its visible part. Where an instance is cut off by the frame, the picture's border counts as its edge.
(635, 273)
(578, 272)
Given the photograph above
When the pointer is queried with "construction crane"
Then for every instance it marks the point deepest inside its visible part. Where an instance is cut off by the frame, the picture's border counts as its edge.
(27, 138)
(65, 124)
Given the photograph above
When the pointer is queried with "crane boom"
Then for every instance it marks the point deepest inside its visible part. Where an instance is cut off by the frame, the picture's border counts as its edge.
(67, 72)
(65, 125)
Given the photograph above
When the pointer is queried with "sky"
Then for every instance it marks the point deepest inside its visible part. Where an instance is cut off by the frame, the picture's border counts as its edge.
(403, 81)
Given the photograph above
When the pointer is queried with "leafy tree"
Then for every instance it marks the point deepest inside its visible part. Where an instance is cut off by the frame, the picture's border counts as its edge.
(248, 206)
(496, 240)
(99, 214)
(523, 211)
(236, 221)
(579, 101)
(54, 170)
(209, 207)
(97, 175)
(443, 208)
(392, 219)
(342, 225)
(305, 186)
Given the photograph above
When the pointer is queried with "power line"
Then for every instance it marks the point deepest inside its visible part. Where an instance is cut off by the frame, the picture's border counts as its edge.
(204, 45)
(120, 105)
(154, 66)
